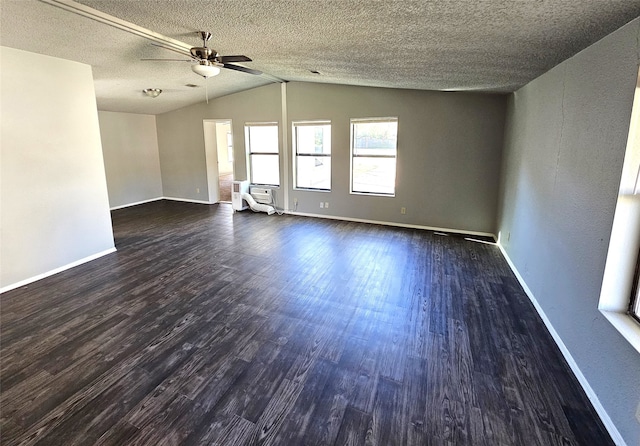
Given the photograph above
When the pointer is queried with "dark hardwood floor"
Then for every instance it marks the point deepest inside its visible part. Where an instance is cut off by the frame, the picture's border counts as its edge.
(208, 327)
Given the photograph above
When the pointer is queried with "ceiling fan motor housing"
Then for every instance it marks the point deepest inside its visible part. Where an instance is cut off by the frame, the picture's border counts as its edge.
(202, 52)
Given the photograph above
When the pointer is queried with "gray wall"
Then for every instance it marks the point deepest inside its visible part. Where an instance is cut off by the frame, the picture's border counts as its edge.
(54, 204)
(564, 146)
(449, 152)
(181, 138)
(131, 161)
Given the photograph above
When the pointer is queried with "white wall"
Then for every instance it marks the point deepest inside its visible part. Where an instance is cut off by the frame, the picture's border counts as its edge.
(131, 160)
(54, 204)
(564, 147)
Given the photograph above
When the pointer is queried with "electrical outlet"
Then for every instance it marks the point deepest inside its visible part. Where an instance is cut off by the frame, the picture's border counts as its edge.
(638, 413)
(403, 210)
(321, 205)
(326, 205)
(197, 190)
(295, 202)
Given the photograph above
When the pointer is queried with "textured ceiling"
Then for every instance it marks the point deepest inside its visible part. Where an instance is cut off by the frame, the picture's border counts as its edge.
(468, 45)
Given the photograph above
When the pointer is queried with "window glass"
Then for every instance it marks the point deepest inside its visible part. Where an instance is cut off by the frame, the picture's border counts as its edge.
(265, 169)
(374, 175)
(375, 138)
(264, 158)
(314, 172)
(312, 155)
(313, 139)
(230, 147)
(263, 138)
(373, 152)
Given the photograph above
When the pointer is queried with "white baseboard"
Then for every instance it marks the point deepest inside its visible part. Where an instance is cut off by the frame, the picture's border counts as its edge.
(159, 199)
(135, 204)
(13, 286)
(187, 200)
(604, 416)
(389, 223)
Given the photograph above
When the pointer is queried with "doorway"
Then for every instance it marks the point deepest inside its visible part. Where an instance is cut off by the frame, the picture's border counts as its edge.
(218, 141)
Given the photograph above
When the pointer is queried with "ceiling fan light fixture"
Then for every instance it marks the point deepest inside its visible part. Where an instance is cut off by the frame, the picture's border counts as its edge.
(152, 92)
(205, 69)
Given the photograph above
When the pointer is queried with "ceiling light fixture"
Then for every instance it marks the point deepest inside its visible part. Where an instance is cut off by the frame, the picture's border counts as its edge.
(152, 92)
(205, 69)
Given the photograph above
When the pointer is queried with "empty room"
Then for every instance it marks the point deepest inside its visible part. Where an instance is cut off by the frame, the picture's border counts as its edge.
(319, 222)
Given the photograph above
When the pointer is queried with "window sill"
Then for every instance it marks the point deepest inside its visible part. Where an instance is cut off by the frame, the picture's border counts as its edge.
(372, 194)
(626, 325)
(308, 189)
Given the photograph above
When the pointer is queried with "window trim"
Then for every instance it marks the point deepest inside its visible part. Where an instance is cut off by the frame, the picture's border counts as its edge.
(247, 142)
(622, 259)
(634, 299)
(353, 121)
(294, 134)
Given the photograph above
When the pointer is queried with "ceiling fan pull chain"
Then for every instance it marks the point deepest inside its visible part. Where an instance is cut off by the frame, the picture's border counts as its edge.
(206, 89)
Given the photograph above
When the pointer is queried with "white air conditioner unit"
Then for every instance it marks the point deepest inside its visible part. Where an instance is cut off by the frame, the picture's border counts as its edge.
(261, 195)
(237, 189)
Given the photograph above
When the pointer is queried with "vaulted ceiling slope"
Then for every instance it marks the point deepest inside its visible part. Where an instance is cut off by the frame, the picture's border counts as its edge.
(451, 45)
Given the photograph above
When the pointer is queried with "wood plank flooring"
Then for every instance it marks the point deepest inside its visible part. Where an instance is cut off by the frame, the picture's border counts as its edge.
(208, 327)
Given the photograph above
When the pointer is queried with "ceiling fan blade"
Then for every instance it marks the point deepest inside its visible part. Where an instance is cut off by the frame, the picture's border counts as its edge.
(172, 60)
(184, 53)
(227, 59)
(243, 69)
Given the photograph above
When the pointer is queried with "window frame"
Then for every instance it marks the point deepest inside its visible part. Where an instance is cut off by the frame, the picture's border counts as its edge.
(634, 299)
(294, 134)
(352, 123)
(250, 152)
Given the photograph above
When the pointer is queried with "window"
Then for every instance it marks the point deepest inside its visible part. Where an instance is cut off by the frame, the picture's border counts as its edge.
(230, 147)
(373, 155)
(312, 142)
(264, 158)
(620, 293)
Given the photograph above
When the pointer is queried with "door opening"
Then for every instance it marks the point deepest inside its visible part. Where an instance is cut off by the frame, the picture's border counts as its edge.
(218, 143)
(225, 159)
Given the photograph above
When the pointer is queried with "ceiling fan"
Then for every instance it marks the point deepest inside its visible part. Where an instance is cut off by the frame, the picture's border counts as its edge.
(208, 61)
